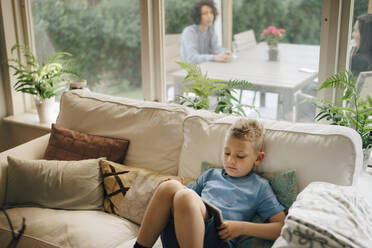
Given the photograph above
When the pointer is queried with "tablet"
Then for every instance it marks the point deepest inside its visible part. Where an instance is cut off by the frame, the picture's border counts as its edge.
(214, 211)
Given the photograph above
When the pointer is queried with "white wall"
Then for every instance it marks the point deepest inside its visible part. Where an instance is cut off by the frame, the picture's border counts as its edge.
(12, 134)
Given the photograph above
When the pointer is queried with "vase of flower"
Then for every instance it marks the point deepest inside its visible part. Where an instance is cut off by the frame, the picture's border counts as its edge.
(273, 53)
(272, 36)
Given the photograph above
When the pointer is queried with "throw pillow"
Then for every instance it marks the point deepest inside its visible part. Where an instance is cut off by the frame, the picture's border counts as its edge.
(66, 144)
(285, 188)
(128, 189)
(54, 184)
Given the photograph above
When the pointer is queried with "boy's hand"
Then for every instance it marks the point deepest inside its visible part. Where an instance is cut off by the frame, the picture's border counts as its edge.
(229, 230)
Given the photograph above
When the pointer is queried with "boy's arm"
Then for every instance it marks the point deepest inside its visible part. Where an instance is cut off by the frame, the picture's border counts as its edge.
(232, 229)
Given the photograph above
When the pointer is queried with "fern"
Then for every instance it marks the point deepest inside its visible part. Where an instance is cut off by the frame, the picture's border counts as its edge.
(354, 113)
(203, 88)
(45, 80)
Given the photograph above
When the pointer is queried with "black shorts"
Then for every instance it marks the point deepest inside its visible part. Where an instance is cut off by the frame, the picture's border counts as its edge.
(211, 238)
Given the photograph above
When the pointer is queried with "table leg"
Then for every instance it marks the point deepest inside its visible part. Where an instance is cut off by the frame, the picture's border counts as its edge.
(286, 106)
(262, 99)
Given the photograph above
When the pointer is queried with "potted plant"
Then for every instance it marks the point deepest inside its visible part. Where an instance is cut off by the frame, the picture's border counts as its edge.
(43, 81)
(202, 89)
(352, 112)
(272, 36)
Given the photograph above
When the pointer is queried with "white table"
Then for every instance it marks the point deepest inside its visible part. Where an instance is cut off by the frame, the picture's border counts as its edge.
(296, 67)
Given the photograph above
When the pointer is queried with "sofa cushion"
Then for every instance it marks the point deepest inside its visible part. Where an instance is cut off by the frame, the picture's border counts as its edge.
(52, 228)
(128, 189)
(307, 148)
(154, 129)
(66, 144)
(55, 184)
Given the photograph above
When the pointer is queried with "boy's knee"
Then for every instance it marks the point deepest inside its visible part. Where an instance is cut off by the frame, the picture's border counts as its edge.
(184, 199)
(169, 188)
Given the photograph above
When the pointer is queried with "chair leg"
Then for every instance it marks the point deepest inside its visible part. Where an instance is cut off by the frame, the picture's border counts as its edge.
(262, 99)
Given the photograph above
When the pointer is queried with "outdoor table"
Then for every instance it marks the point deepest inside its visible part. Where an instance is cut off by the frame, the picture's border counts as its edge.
(296, 67)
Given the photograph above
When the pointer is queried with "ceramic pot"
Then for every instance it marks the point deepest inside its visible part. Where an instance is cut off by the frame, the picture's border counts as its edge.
(44, 108)
(273, 53)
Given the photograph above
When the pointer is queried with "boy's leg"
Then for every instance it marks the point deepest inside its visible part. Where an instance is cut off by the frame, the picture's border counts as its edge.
(158, 212)
(189, 214)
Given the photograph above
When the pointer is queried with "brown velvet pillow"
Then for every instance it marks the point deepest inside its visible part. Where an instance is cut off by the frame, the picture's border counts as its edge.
(66, 144)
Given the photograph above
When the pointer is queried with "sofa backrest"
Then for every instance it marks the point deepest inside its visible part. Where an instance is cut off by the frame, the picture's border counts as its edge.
(175, 139)
(317, 152)
(155, 130)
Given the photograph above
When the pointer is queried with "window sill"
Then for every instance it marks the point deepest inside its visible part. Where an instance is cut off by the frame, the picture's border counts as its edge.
(29, 119)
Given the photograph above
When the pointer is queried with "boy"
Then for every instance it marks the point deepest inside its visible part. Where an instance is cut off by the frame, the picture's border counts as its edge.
(180, 216)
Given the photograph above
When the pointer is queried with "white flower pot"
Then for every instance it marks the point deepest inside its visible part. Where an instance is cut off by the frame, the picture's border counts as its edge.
(44, 108)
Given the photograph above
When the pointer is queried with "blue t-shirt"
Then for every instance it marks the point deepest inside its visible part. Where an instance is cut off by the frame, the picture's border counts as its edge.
(198, 46)
(239, 198)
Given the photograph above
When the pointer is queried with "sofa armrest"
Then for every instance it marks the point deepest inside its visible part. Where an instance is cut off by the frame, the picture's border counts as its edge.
(33, 149)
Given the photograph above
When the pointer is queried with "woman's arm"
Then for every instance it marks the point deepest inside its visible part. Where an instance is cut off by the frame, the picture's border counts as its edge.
(232, 229)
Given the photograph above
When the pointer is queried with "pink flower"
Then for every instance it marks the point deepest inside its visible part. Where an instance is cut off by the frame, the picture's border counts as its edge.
(272, 28)
(276, 32)
(272, 35)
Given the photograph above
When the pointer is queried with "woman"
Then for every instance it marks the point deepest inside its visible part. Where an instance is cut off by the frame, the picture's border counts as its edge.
(199, 42)
(361, 59)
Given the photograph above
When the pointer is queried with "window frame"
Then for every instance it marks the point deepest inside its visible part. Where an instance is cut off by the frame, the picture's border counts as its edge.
(16, 27)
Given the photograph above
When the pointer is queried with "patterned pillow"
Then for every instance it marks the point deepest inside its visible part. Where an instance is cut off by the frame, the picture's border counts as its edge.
(66, 144)
(285, 188)
(128, 189)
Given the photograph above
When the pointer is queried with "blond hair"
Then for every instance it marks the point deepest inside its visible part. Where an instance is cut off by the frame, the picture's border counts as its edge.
(249, 130)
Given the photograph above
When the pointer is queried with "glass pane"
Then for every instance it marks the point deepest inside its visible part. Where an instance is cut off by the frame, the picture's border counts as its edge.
(360, 54)
(279, 84)
(177, 17)
(106, 47)
(280, 57)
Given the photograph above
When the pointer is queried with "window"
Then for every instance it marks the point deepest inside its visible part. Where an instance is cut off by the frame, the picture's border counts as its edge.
(281, 67)
(276, 83)
(102, 35)
(360, 44)
(138, 60)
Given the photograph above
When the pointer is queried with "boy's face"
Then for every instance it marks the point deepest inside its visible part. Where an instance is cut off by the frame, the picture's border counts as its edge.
(240, 157)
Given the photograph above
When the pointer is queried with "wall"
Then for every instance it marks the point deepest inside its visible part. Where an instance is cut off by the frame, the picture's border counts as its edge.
(4, 134)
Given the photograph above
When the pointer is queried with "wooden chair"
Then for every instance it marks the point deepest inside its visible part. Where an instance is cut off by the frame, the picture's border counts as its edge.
(245, 40)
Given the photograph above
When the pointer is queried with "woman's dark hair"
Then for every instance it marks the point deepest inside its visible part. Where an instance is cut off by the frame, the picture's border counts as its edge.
(365, 30)
(361, 60)
(196, 10)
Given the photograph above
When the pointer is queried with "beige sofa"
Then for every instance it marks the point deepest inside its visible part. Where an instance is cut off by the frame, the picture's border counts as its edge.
(173, 139)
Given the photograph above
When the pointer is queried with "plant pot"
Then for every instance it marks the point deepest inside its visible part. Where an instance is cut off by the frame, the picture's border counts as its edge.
(366, 157)
(44, 108)
(273, 53)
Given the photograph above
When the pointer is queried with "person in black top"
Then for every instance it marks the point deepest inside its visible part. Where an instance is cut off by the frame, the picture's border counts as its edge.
(361, 58)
